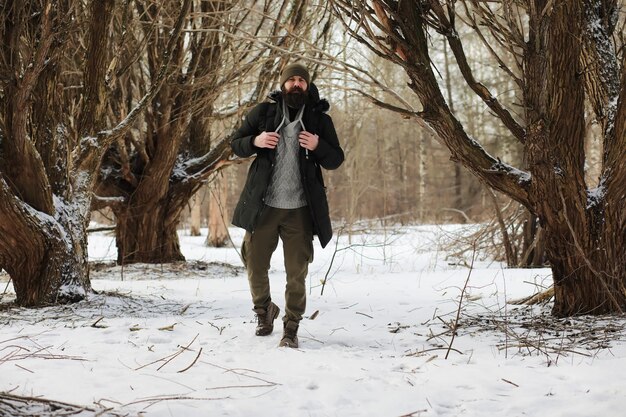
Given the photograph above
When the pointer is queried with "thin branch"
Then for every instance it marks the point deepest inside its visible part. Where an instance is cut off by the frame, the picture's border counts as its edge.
(52, 406)
(457, 49)
(458, 311)
(192, 363)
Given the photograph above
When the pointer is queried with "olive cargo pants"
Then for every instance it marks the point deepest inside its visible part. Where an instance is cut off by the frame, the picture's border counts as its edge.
(294, 227)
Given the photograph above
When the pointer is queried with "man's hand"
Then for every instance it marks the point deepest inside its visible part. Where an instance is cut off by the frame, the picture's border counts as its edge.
(308, 140)
(266, 140)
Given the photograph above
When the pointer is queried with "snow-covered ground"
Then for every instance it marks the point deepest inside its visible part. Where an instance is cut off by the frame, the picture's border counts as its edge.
(178, 340)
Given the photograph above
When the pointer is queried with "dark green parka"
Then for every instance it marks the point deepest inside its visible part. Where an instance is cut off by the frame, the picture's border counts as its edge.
(328, 154)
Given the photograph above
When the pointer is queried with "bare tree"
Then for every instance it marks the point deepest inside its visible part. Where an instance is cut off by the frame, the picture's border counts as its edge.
(227, 61)
(52, 139)
(564, 53)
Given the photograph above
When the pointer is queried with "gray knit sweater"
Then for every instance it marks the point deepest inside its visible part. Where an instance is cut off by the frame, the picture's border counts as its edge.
(285, 189)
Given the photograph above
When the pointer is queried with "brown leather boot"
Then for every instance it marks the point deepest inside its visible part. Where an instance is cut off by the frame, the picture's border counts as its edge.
(265, 318)
(290, 334)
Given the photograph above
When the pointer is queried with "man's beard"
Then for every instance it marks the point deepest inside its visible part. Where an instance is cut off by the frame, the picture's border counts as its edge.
(295, 97)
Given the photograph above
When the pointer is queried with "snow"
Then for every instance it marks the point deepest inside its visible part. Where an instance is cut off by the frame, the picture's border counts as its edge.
(596, 195)
(178, 340)
(523, 177)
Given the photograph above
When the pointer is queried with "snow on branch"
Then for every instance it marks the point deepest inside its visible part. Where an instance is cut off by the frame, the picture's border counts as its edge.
(523, 178)
(198, 169)
(98, 202)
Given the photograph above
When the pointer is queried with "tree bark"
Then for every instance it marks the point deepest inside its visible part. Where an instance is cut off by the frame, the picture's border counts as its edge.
(148, 234)
(218, 232)
(195, 217)
(45, 257)
(555, 150)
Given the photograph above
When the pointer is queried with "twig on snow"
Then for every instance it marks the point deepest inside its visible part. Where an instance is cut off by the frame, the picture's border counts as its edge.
(220, 329)
(23, 406)
(26, 369)
(509, 382)
(169, 358)
(192, 363)
(414, 413)
(458, 311)
(419, 353)
(156, 400)
(238, 371)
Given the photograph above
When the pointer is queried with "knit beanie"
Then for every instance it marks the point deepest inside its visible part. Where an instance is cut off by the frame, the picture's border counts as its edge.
(294, 69)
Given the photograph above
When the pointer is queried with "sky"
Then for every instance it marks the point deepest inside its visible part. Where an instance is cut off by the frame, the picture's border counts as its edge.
(178, 340)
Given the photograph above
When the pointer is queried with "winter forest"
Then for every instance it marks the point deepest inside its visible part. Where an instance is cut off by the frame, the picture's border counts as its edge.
(478, 216)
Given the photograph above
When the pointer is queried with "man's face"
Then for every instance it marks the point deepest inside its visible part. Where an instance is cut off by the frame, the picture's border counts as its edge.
(295, 91)
(296, 83)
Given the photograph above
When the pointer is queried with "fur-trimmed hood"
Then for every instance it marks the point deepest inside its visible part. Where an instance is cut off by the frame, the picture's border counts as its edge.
(313, 101)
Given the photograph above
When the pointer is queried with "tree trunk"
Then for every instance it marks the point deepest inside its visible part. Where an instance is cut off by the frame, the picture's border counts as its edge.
(584, 282)
(422, 170)
(148, 216)
(45, 257)
(532, 245)
(218, 232)
(587, 283)
(148, 234)
(50, 272)
(195, 215)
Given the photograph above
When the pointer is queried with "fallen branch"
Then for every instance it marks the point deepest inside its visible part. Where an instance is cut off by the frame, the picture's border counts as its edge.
(421, 352)
(509, 382)
(239, 372)
(21, 406)
(155, 400)
(169, 358)
(192, 363)
(538, 298)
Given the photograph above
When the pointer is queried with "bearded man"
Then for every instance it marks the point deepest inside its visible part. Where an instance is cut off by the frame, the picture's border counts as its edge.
(284, 195)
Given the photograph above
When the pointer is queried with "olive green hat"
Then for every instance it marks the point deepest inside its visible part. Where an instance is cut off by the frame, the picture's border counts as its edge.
(294, 69)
